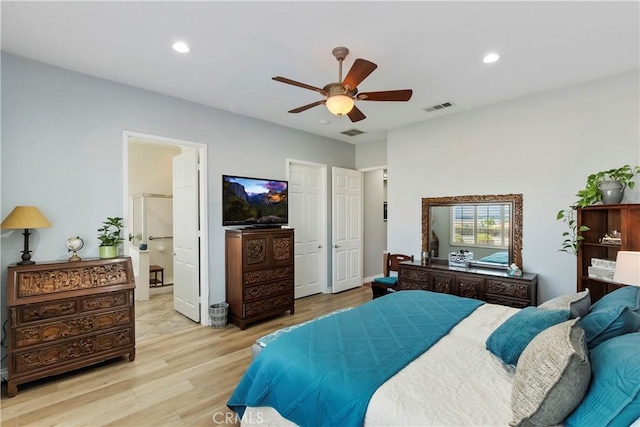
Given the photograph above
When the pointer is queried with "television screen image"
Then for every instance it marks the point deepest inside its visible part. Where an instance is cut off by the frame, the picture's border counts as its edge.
(254, 201)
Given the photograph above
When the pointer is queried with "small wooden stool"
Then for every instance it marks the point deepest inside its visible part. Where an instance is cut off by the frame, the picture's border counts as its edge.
(155, 269)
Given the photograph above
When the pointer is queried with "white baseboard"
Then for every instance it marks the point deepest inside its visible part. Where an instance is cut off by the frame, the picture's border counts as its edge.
(4, 373)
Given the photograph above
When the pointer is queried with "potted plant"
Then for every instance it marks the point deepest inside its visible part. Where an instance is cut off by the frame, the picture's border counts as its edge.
(607, 186)
(110, 237)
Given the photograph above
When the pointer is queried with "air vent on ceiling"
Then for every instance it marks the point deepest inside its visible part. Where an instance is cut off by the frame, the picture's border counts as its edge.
(352, 132)
(439, 106)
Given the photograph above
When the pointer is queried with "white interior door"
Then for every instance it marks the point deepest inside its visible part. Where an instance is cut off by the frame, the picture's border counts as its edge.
(347, 228)
(307, 214)
(186, 258)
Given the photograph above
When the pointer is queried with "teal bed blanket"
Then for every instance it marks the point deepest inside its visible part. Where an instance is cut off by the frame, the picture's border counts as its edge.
(324, 373)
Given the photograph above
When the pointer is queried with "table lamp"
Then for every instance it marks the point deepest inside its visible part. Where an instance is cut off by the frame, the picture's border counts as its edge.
(627, 268)
(25, 217)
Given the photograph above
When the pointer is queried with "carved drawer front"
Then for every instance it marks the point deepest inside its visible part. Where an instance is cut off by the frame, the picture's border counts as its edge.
(255, 250)
(70, 350)
(65, 279)
(508, 289)
(264, 305)
(469, 287)
(404, 285)
(282, 249)
(111, 300)
(267, 289)
(497, 299)
(46, 310)
(251, 277)
(441, 283)
(69, 327)
(416, 275)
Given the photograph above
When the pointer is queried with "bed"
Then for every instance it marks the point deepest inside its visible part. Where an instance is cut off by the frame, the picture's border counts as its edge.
(440, 368)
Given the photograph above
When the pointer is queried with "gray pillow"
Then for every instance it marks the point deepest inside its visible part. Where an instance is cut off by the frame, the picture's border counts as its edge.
(578, 304)
(552, 376)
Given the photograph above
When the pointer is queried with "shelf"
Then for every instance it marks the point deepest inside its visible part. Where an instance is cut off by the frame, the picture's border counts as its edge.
(600, 245)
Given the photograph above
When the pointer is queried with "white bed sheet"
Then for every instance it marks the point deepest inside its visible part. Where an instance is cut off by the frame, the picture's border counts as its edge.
(456, 383)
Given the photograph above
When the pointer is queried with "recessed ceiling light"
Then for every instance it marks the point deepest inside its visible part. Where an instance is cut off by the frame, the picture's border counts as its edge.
(181, 47)
(324, 122)
(492, 57)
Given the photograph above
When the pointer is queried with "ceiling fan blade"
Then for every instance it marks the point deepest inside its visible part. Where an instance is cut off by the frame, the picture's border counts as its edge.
(387, 95)
(356, 115)
(302, 85)
(306, 107)
(359, 71)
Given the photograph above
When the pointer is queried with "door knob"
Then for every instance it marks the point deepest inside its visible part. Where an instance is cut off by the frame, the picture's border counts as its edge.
(319, 246)
(336, 246)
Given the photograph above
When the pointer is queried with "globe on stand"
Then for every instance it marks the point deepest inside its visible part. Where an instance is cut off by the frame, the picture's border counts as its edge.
(74, 244)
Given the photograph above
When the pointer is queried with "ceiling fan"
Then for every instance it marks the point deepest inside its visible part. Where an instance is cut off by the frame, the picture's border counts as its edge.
(341, 95)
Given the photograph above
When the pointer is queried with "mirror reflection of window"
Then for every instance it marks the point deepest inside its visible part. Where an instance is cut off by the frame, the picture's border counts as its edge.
(480, 225)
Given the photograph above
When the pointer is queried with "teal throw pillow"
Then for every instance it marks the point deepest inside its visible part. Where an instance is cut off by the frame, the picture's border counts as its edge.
(509, 340)
(386, 281)
(615, 314)
(613, 397)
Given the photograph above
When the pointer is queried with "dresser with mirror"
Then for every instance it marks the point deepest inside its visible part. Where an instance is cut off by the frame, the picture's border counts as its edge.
(490, 227)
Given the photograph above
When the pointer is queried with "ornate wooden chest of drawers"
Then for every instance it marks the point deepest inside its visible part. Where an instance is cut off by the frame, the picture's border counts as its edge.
(67, 315)
(490, 285)
(259, 273)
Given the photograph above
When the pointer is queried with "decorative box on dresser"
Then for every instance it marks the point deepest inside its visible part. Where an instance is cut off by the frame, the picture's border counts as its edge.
(487, 284)
(259, 273)
(601, 220)
(67, 315)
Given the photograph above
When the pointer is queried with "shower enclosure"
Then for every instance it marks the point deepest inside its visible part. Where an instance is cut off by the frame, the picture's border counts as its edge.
(152, 225)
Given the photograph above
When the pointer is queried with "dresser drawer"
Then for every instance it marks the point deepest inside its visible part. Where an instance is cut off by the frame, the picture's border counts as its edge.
(267, 289)
(267, 275)
(67, 351)
(47, 332)
(284, 302)
(104, 301)
(405, 285)
(415, 275)
(44, 311)
(508, 289)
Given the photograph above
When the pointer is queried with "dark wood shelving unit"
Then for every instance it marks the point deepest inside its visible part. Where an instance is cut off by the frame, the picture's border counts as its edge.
(603, 219)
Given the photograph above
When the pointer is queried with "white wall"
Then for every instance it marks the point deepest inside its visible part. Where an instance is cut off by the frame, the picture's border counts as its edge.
(62, 151)
(543, 146)
(372, 154)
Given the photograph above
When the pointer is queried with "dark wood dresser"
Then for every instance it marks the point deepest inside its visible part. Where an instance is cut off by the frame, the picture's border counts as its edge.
(487, 284)
(259, 273)
(67, 315)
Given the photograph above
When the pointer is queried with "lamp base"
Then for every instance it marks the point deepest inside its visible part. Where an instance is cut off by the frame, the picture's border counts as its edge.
(26, 262)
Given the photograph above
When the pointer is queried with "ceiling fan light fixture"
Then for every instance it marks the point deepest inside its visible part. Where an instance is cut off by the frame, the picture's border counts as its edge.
(339, 104)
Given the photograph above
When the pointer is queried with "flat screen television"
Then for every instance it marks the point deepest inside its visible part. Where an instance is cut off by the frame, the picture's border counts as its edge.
(254, 201)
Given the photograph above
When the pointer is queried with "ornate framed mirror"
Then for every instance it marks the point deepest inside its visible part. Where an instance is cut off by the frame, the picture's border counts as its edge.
(490, 226)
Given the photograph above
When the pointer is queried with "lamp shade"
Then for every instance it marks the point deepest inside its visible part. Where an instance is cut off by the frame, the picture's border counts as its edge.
(627, 268)
(25, 217)
(339, 104)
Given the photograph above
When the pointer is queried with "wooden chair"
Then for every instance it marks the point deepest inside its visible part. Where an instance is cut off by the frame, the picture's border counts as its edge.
(384, 285)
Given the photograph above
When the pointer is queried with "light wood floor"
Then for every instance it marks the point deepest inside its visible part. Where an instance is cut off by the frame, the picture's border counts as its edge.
(182, 378)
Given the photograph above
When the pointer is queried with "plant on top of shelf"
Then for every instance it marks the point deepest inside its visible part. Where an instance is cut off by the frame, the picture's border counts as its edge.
(593, 191)
(605, 186)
